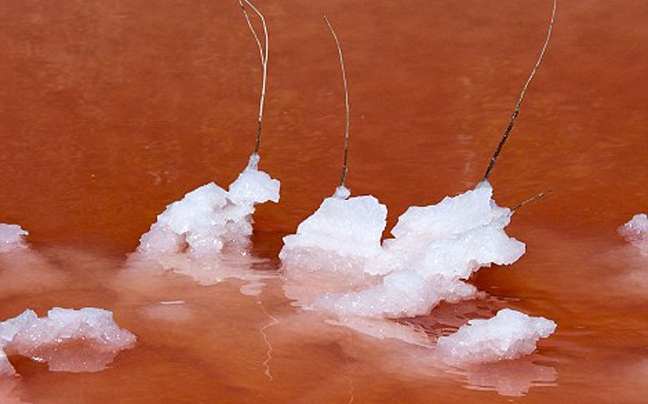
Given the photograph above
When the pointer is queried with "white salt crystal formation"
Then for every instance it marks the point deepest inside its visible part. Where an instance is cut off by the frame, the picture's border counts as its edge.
(209, 217)
(434, 250)
(207, 221)
(508, 335)
(334, 249)
(12, 237)
(336, 264)
(68, 340)
(636, 232)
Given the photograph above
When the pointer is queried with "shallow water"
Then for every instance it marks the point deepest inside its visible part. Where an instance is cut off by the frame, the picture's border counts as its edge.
(113, 109)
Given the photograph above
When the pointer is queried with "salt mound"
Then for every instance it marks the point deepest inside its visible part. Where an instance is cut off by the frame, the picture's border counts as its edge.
(434, 250)
(336, 264)
(453, 238)
(12, 237)
(636, 232)
(334, 248)
(69, 340)
(207, 221)
(508, 335)
(209, 217)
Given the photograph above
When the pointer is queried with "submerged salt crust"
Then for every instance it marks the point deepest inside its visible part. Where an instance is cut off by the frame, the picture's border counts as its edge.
(335, 263)
(84, 340)
(206, 234)
(636, 232)
(23, 270)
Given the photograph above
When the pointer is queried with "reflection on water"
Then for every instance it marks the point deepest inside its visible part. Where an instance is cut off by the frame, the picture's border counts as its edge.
(510, 378)
(113, 109)
(8, 391)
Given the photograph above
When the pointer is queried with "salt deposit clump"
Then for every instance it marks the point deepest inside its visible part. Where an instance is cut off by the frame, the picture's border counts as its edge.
(209, 217)
(336, 264)
(208, 221)
(68, 340)
(636, 232)
(508, 335)
(12, 237)
(334, 249)
(434, 250)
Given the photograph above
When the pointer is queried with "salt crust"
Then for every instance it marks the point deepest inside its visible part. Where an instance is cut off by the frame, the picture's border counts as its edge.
(44, 339)
(336, 263)
(434, 250)
(207, 222)
(12, 237)
(508, 335)
(636, 232)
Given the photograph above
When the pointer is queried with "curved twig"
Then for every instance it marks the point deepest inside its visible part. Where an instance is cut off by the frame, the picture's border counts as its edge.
(532, 199)
(345, 166)
(263, 53)
(516, 111)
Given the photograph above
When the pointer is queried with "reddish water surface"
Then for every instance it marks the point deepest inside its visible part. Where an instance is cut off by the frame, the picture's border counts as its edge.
(113, 109)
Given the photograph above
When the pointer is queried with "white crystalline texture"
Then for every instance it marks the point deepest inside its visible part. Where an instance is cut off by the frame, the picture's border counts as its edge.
(453, 238)
(333, 248)
(92, 325)
(399, 295)
(8, 330)
(11, 237)
(209, 218)
(636, 232)
(67, 339)
(434, 250)
(508, 335)
(342, 192)
(343, 227)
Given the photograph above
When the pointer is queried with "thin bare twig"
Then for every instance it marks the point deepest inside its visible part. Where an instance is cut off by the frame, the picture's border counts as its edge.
(263, 53)
(345, 166)
(532, 199)
(516, 111)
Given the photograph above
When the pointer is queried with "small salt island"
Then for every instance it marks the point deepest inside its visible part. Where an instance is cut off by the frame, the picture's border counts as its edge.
(68, 340)
(636, 232)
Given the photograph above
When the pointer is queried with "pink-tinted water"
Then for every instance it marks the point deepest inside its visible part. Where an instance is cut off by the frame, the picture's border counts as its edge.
(113, 109)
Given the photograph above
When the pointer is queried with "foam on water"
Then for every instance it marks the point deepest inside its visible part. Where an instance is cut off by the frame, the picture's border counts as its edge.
(508, 335)
(636, 232)
(67, 339)
(192, 234)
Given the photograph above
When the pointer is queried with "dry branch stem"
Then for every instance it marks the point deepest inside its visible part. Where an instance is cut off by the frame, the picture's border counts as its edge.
(345, 166)
(516, 111)
(263, 53)
(532, 199)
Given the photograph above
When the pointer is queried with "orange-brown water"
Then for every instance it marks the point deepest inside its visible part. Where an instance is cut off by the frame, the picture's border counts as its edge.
(113, 109)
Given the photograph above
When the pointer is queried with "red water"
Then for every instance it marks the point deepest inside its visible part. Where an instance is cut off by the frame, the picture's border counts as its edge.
(113, 109)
